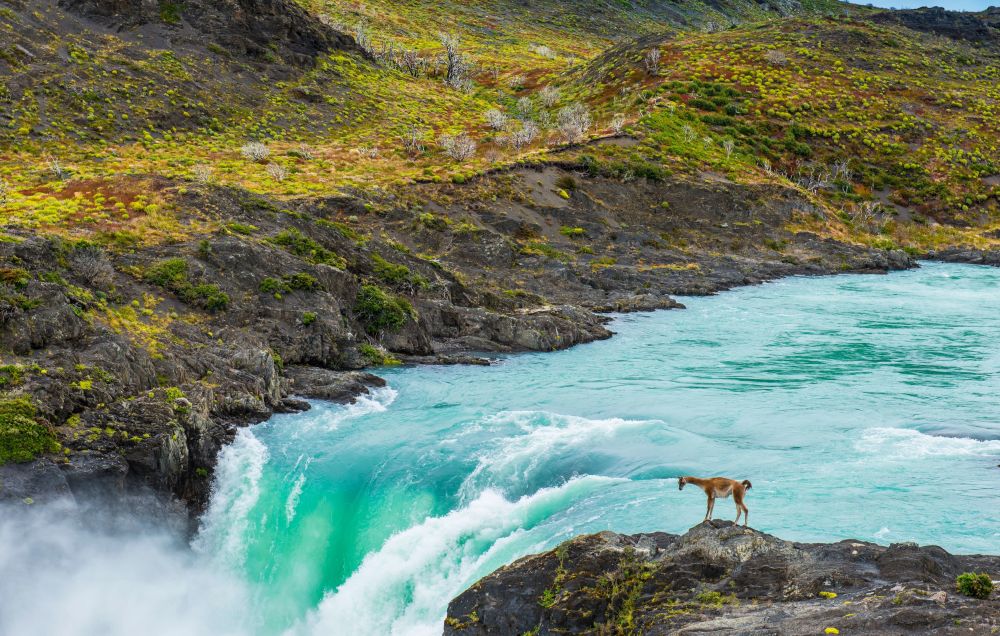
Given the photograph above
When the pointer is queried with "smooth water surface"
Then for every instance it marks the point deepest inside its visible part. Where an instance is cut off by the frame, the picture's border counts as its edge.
(859, 406)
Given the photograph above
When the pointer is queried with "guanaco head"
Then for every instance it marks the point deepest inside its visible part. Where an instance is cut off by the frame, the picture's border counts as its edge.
(681, 482)
(747, 484)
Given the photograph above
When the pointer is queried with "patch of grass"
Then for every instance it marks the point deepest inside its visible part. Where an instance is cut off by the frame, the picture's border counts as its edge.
(172, 274)
(170, 12)
(541, 248)
(602, 262)
(714, 599)
(11, 375)
(297, 243)
(376, 356)
(22, 438)
(241, 228)
(397, 275)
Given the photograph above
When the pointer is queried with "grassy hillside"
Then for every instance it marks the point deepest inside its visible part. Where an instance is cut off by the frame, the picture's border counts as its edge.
(84, 103)
(896, 132)
(194, 190)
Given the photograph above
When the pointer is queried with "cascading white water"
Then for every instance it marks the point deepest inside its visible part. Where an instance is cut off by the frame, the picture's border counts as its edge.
(367, 519)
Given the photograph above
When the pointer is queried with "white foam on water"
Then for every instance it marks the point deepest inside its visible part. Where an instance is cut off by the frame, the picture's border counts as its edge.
(404, 587)
(376, 401)
(515, 458)
(905, 443)
(293, 497)
(235, 492)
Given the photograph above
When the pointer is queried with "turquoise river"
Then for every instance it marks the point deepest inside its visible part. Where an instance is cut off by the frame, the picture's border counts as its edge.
(859, 406)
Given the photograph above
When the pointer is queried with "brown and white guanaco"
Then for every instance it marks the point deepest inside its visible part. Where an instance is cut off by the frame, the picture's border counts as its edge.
(721, 487)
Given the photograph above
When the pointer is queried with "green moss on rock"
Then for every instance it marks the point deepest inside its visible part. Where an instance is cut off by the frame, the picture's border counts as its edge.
(22, 438)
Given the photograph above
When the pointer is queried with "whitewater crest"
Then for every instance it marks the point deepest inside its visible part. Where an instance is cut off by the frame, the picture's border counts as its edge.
(905, 443)
(528, 441)
(404, 588)
(330, 417)
(236, 490)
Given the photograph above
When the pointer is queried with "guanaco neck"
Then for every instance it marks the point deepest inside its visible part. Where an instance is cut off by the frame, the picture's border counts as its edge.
(696, 481)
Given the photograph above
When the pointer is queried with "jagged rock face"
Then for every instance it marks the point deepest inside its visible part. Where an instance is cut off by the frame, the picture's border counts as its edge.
(956, 25)
(89, 313)
(250, 27)
(720, 578)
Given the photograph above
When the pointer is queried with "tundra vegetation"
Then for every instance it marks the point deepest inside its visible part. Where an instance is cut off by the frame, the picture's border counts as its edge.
(132, 157)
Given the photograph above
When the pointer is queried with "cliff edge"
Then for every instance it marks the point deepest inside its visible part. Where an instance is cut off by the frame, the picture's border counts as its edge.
(720, 578)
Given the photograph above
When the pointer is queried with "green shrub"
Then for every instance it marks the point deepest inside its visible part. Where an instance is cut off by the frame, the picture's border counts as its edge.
(297, 243)
(204, 295)
(433, 222)
(302, 281)
(566, 182)
(702, 104)
(242, 228)
(572, 232)
(172, 274)
(10, 375)
(22, 439)
(718, 120)
(308, 318)
(168, 273)
(273, 286)
(380, 311)
(170, 12)
(398, 275)
(974, 585)
(377, 357)
(15, 276)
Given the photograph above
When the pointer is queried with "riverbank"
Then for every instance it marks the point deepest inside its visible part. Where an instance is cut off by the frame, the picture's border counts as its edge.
(140, 363)
(370, 518)
(720, 578)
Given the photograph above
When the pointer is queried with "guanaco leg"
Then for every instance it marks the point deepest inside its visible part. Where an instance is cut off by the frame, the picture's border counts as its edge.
(721, 487)
(741, 508)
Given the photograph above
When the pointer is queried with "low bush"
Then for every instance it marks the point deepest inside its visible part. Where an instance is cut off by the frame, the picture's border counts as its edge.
(297, 243)
(380, 311)
(376, 356)
(22, 439)
(173, 274)
(397, 275)
(974, 585)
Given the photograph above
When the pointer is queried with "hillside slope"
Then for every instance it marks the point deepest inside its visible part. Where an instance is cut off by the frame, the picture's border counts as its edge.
(210, 208)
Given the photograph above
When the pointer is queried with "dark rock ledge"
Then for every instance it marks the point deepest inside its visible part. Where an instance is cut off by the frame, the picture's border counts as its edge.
(719, 578)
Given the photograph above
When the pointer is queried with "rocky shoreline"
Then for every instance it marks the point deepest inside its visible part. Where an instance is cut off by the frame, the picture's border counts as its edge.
(720, 578)
(143, 360)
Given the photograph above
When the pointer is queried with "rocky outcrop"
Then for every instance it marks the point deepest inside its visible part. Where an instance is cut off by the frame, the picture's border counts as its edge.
(143, 360)
(720, 578)
(256, 28)
(957, 25)
(970, 256)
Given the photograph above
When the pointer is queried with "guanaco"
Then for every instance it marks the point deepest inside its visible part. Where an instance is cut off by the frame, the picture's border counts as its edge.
(721, 487)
